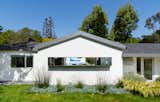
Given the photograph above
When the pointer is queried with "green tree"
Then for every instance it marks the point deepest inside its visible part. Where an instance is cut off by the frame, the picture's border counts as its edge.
(153, 22)
(21, 36)
(96, 23)
(26, 33)
(124, 24)
(153, 38)
(8, 37)
(1, 28)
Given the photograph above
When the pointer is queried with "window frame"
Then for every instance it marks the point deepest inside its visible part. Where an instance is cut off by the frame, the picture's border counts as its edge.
(25, 61)
(64, 59)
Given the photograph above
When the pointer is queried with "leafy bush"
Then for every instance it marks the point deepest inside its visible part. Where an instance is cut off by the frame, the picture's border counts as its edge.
(101, 85)
(119, 84)
(79, 84)
(145, 89)
(158, 79)
(134, 77)
(42, 79)
(59, 86)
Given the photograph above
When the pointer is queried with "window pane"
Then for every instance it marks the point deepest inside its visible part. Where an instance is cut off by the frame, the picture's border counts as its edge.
(51, 62)
(79, 61)
(29, 61)
(17, 61)
(139, 65)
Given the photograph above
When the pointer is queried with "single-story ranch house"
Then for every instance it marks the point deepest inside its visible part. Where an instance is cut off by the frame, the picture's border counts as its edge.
(79, 57)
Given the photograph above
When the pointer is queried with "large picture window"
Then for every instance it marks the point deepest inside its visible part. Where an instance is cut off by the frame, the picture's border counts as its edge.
(20, 61)
(79, 61)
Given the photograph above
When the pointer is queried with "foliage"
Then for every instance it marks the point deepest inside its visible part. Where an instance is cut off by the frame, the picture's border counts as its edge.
(124, 24)
(133, 40)
(101, 85)
(157, 79)
(79, 84)
(145, 89)
(42, 79)
(20, 36)
(47, 39)
(96, 23)
(48, 28)
(153, 38)
(19, 93)
(59, 86)
(1, 28)
(134, 77)
(153, 21)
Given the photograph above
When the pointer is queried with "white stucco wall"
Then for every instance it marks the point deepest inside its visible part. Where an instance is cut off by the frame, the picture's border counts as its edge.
(80, 47)
(129, 65)
(156, 68)
(7, 73)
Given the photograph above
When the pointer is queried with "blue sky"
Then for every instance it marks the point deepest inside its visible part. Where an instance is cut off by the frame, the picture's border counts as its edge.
(68, 14)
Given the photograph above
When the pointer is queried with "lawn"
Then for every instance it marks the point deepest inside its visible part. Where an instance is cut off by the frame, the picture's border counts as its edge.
(19, 93)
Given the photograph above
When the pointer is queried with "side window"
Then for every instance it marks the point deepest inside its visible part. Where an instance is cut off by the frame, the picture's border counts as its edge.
(20, 61)
(29, 61)
(17, 61)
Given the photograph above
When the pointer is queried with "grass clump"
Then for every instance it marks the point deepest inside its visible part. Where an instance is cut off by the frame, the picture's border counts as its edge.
(42, 79)
(59, 86)
(79, 85)
(101, 85)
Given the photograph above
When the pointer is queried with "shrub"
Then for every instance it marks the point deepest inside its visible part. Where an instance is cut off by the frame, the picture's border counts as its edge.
(42, 79)
(101, 85)
(145, 89)
(59, 86)
(79, 84)
(157, 79)
(119, 84)
(134, 77)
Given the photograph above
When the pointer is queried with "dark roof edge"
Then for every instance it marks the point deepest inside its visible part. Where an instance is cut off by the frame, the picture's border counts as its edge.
(92, 37)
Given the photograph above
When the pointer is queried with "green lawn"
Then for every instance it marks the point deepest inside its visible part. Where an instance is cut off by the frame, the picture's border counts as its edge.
(18, 93)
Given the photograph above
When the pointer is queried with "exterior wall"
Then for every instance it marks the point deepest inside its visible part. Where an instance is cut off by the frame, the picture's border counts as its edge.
(129, 65)
(7, 73)
(80, 47)
(156, 68)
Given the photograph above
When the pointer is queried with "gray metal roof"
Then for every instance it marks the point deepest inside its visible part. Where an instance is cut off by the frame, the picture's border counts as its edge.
(85, 35)
(142, 50)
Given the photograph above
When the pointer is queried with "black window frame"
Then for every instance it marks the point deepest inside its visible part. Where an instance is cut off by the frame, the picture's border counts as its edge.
(15, 64)
(97, 62)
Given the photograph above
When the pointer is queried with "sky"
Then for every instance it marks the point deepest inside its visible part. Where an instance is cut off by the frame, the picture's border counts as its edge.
(68, 14)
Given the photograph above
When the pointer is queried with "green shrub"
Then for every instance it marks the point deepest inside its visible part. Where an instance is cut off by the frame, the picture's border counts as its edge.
(158, 79)
(119, 84)
(59, 86)
(101, 88)
(79, 84)
(134, 77)
(145, 89)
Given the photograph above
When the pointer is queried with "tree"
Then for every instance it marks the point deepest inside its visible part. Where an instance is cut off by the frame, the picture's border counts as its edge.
(153, 38)
(21, 36)
(48, 28)
(153, 22)
(124, 24)
(96, 23)
(1, 28)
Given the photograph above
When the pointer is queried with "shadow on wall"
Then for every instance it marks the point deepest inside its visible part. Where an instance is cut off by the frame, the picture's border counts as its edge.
(80, 68)
(11, 74)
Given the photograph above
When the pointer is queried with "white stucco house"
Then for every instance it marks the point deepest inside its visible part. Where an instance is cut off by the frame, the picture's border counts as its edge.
(79, 57)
